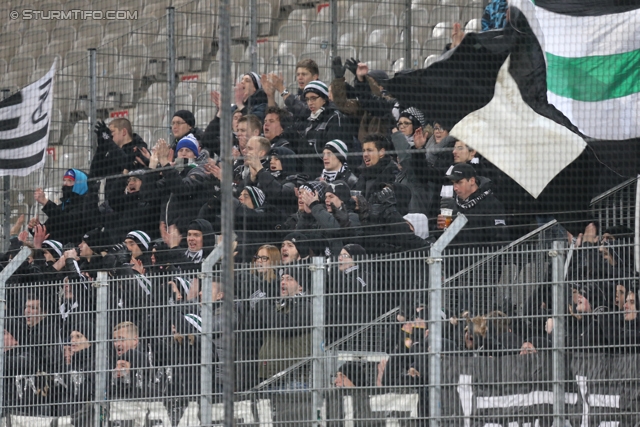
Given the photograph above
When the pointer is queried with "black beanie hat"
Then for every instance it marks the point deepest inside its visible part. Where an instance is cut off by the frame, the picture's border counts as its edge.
(354, 250)
(205, 227)
(341, 190)
(301, 242)
(187, 116)
(416, 117)
(299, 271)
(287, 159)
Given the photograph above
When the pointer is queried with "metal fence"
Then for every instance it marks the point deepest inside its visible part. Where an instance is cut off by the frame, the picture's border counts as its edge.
(536, 333)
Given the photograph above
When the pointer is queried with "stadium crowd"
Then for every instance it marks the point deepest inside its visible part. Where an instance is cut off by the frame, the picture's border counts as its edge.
(342, 171)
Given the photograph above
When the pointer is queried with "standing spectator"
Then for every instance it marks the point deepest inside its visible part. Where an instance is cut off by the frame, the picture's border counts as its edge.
(325, 123)
(378, 167)
(129, 367)
(77, 211)
(118, 152)
(183, 123)
(253, 99)
(287, 323)
(306, 71)
(295, 247)
(475, 199)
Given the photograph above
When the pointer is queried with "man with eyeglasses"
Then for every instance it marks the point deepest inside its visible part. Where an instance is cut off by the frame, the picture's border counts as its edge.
(183, 123)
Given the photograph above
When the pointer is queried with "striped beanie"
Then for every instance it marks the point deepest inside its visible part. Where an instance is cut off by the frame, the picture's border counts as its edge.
(338, 148)
(318, 187)
(318, 88)
(256, 194)
(255, 78)
(141, 238)
(53, 245)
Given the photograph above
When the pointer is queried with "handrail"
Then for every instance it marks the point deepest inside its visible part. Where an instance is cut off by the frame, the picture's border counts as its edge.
(613, 190)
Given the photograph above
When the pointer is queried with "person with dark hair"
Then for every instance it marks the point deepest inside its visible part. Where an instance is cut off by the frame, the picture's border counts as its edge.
(18, 364)
(378, 167)
(276, 125)
(334, 157)
(77, 211)
(252, 99)
(351, 374)
(325, 123)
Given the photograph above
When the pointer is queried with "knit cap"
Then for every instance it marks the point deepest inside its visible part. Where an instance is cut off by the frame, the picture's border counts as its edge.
(141, 238)
(318, 88)
(188, 141)
(338, 148)
(257, 196)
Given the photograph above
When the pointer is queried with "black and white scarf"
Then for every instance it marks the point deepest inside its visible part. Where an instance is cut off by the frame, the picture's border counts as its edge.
(468, 204)
(330, 176)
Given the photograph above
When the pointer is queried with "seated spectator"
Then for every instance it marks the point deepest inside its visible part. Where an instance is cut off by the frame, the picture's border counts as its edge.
(287, 326)
(253, 99)
(295, 247)
(325, 123)
(276, 124)
(474, 198)
(378, 168)
(77, 211)
(183, 123)
(75, 387)
(186, 186)
(129, 367)
(334, 157)
(306, 71)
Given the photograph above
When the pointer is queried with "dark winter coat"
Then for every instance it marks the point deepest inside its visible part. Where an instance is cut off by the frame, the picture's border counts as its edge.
(373, 178)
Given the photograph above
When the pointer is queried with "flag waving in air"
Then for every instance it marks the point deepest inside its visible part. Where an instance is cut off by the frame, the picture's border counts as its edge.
(592, 54)
(25, 118)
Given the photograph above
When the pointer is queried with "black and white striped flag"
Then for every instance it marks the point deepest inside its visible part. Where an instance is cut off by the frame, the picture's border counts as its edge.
(25, 118)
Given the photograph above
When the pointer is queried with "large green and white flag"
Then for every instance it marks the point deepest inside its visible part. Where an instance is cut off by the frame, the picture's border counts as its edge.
(592, 52)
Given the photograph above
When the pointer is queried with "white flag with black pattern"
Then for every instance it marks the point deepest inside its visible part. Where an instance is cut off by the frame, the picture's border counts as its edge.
(25, 118)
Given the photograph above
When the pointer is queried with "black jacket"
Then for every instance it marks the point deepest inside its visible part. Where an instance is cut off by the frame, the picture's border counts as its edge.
(373, 178)
(487, 224)
(329, 125)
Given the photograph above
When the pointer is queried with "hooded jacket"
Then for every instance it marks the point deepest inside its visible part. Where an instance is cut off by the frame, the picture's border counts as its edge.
(256, 104)
(76, 213)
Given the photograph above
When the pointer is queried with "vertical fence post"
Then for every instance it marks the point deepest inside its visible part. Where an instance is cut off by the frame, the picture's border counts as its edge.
(93, 101)
(317, 290)
(102, 336)
(6, 211)
(333, 4)
(253, 35)
(171, 66)
(228, 376)
(16, 262)
(559, 303)
(407, 36)
(435, 319)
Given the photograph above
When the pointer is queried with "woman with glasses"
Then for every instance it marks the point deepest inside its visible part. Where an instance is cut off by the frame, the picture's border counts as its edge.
(265, 262)
(325, 123)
